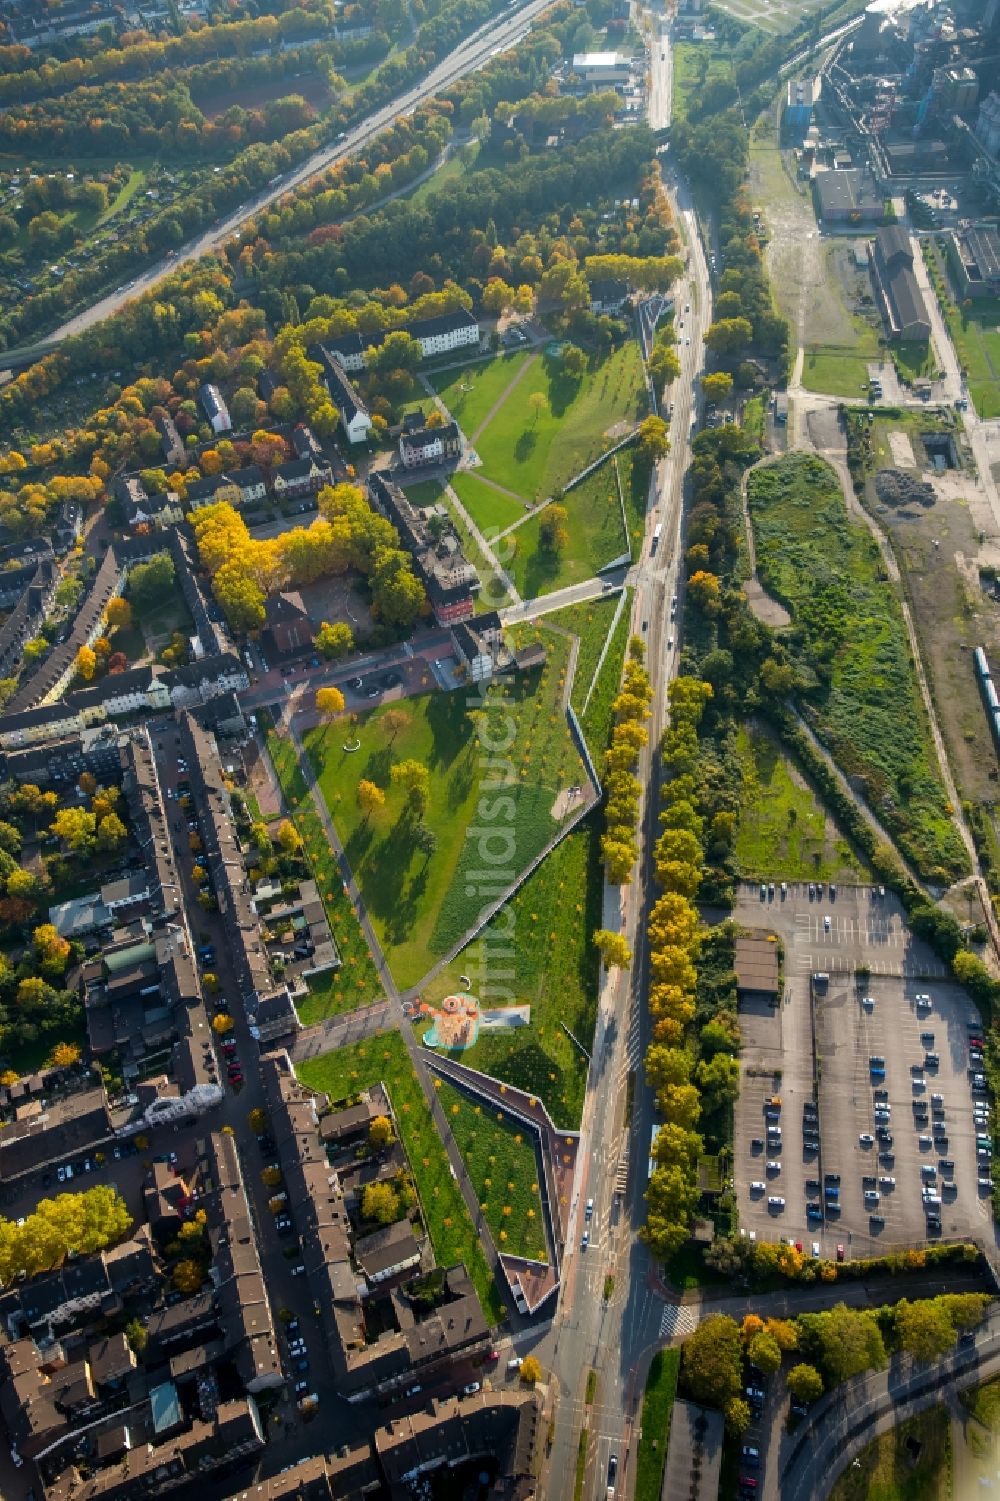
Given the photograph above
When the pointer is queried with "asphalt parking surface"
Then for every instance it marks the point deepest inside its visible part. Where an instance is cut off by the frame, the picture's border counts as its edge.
(817, 1050)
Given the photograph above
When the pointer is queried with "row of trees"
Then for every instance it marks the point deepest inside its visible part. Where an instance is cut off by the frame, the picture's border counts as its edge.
(619, 848)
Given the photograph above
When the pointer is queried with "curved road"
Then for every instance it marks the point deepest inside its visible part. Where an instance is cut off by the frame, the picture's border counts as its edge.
(872, 1404)
(471, 54)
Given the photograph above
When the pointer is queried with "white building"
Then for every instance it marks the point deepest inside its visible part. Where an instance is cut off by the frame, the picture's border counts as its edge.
(603, 69)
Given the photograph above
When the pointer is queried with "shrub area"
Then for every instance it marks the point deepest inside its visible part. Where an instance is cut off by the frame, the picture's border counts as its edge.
(852, 651)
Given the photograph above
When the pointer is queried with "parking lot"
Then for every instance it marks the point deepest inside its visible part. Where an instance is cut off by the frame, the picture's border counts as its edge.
(824, 1145)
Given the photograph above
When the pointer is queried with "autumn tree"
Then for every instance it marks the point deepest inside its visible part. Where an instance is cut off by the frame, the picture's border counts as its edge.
(222, 1024)
(188, 1276)
(370, 797)
(415, 780)
(553, 531)
(653, 441)
(76, 828)
(334, 641)
(381, 1202)
(924, 1329)
(86, 663)
(118, 613)
(613, 948)
(287, 837)
(64, 1055)
(329, 702)
(711, 1361)
(538, 406)
(380, 1132)
(804, 1383)
(717, 386)
(531, 1370)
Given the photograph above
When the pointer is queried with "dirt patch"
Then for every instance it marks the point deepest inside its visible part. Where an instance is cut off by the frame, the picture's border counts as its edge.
(336, 599)
(261, 781)
(764, 606)
(902, 451)
(311, 86)
(567, 801)
(825, 432)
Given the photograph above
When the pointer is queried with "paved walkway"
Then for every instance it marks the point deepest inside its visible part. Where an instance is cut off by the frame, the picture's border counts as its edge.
(483, 545)
(341, 1031)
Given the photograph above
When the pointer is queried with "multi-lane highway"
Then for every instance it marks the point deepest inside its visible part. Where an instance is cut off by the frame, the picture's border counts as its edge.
(469, 55)
(590, 1332)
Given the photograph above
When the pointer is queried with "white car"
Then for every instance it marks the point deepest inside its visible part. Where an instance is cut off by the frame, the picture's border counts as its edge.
(815, 1248)
(61, 1174)
(826, 923)
(470, 1390)
(871, 1196)
(774, 1165)
(775, 1202)
(757, 1187)
(887, 1182)
(866, 1139)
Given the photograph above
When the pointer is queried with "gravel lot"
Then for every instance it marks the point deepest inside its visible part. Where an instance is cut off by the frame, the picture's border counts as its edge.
(816, 1049)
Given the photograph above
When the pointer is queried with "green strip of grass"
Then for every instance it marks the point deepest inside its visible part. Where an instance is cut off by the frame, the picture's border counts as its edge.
(384, 1059)
(581, 1464)
(661, 1387)
(500, 1158)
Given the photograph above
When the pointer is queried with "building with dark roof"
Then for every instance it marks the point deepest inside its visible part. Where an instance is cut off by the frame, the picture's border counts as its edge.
(420, 447)
(756, 964)
(355, 418)
(27, 592)
(215, 409)
(301, 477)
(974, 259)
(502, 1427)
(448, 577)
(442, 333)
(851, 197)
(286, 622)
(608, 295)
(898, 293)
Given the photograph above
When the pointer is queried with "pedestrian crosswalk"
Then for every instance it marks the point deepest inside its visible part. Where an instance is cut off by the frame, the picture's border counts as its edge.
(677, 1319)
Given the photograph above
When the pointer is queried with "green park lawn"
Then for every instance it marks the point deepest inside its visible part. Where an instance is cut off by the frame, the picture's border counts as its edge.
(490, 509)
(537, 951)
(421, 904)
(866, 705)
(471, 392)
(693, 66)
(973, 329)
(596, 535)
(356, 983)
(591, 621)
(534, 453)
(783, 830)
(657, 1406)
(384, 1059)
(888, 1470)
(501, 1162)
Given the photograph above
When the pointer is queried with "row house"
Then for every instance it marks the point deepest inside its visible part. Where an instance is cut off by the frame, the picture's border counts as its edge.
(444, 333)
(301, 477)
(215, 409)
(355, 418)
(421, 446)
(36, 585)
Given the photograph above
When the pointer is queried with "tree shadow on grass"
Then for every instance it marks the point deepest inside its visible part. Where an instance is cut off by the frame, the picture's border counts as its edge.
(525, 445)
(539, 570)
(451, 731)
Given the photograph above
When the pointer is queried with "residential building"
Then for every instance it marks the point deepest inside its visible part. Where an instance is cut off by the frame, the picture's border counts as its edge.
(412, 1343)
(440, 334)
(215, 409)
(301, 477)
(286, 622)
(448, 577)
(174, 452)
(422, 446)
(27, 593)
(608, 295)
(479, 646)
(355, 419)
(898, 293)
(388, 1252)
(974, 258)
(848, 198)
